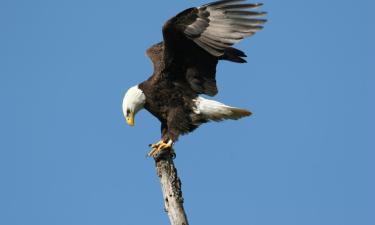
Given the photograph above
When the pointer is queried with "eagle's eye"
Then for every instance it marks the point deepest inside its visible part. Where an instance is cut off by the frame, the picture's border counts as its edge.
(127, 111)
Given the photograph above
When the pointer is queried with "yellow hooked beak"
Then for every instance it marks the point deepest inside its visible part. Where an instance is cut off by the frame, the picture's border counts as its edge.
(130, 119)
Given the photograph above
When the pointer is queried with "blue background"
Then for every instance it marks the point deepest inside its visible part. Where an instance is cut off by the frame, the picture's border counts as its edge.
(67, 157)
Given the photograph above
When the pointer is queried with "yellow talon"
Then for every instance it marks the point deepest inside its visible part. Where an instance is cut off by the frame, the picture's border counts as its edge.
(158, 147)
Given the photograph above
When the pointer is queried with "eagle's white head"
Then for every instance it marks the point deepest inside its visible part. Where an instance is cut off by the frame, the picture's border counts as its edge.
(134, 100)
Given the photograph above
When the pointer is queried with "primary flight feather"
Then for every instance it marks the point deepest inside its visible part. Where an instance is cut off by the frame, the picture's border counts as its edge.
(185, 66)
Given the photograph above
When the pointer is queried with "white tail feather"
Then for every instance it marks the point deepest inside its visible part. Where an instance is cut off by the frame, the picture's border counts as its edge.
(216, 111)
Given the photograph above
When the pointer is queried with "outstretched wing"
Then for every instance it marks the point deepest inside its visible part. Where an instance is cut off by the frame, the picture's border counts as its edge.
(195, 39)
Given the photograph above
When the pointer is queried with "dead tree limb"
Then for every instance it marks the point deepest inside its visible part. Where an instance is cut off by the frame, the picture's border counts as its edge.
(171, 188)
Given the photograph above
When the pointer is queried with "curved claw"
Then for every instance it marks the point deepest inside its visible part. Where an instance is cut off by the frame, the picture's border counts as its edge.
(158, 147)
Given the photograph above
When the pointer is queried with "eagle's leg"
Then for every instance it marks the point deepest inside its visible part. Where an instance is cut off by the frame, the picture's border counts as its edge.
(160, 146)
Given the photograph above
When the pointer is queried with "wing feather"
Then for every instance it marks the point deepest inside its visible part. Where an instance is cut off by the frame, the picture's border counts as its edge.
(213, 4)
(238, 6)
(224, 19)
(197, 38)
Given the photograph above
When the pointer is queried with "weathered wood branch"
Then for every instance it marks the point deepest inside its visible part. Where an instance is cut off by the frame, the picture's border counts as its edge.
(171, 188)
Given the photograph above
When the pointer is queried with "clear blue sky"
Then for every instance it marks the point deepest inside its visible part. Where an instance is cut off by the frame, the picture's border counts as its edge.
(67, 157)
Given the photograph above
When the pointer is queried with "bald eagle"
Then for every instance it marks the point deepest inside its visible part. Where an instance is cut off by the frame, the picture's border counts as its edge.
(185, 65)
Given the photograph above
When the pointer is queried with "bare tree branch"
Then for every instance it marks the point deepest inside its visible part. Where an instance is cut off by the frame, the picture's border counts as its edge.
(171, 188)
